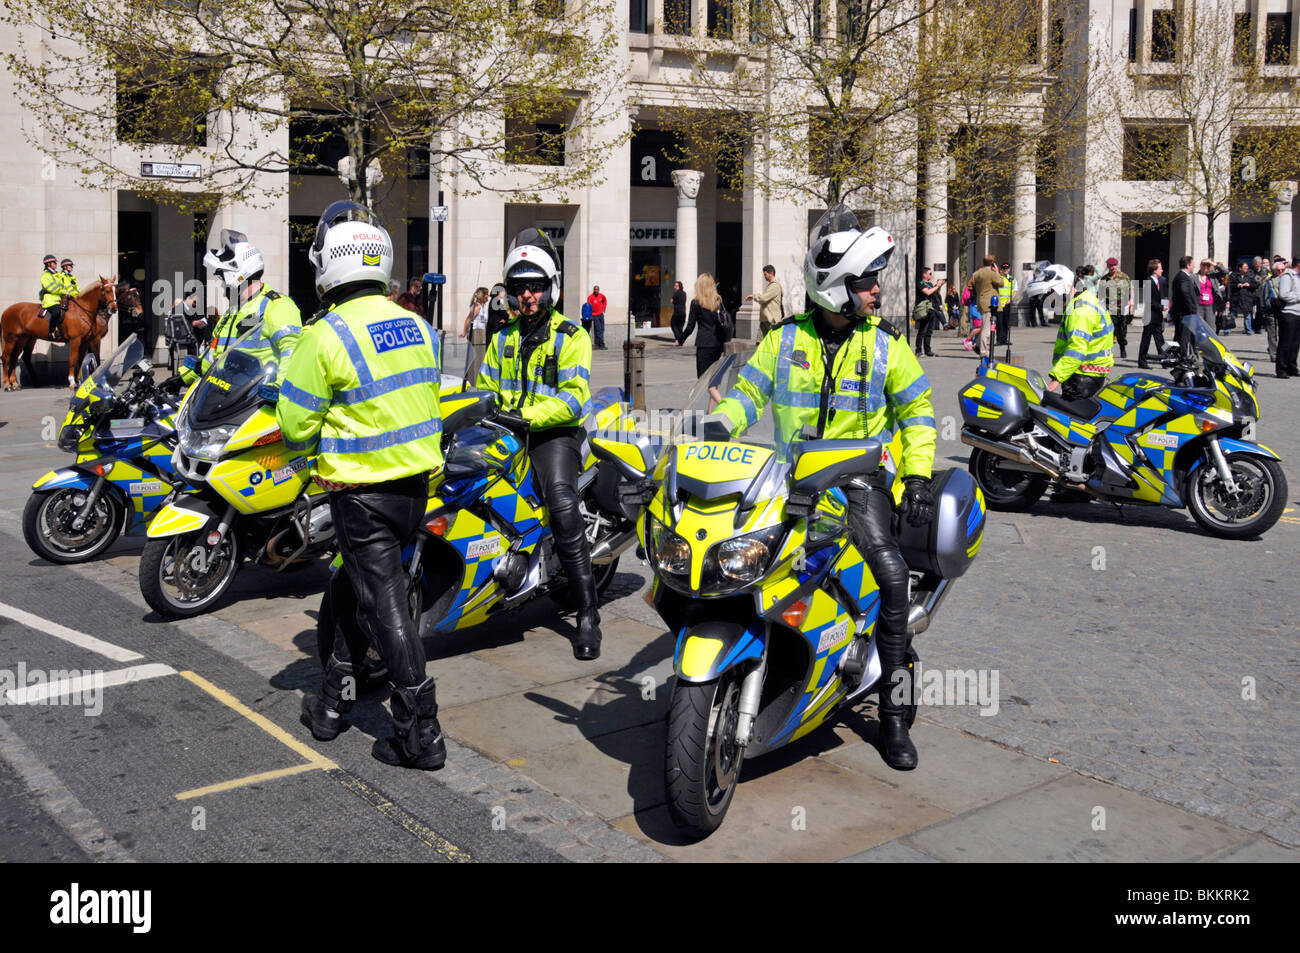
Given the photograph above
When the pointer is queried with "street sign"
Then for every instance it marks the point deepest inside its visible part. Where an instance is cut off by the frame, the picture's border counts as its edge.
(439, 213)
(170, 170)
(433, 278)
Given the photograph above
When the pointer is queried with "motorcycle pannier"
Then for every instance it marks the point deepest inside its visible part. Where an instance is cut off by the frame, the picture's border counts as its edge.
(947, 544)
(994, 407)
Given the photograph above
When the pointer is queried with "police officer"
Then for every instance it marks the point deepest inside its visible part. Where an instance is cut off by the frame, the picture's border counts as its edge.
(1083, 355)
(240, 265)
(362, 391)
(539, 365)
(70, 286)
(52, 295)
(839, 372)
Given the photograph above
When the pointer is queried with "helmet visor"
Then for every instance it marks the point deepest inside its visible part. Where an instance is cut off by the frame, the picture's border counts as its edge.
(538, 239)
(337, 214)
(839, 219)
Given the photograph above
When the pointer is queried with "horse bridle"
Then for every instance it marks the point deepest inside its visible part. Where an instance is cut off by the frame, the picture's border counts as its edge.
(107, 302)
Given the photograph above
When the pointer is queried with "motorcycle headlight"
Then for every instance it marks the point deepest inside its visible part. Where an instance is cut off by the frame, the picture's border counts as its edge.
(206, 444)
(668, 551)
(746, 558)
(70, 438)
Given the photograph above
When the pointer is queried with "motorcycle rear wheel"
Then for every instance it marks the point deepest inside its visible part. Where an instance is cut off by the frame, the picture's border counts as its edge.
(1252, 511)
(174, 586)
(47, 519)
(1005, 489)
(702, 760)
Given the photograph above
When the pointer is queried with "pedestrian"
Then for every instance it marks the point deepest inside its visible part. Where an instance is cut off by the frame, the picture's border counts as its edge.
(1243, 289)
(1288, 338)
(928, 309)
(189, 310)
(498, 309)
(539, 366)
(1115, 291)
(770, 310)
(412, 299)
(678, 321)
(1223, 320)
(1260, 272)
(394, 290)
(984, 285)
(1157, 295)
(476, 318)
(839, 352)
(1205, 292)
(362, 392)
(706, 314)
(598, 303)
(1271, 305)
(1005, 298)
(952, 301)
(1184, 300)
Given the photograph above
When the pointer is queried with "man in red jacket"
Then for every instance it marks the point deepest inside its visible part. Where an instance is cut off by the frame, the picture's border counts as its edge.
(597, 302)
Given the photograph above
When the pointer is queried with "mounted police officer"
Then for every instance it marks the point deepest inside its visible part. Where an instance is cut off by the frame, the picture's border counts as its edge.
(53, 292)
(539, 365)
(362, 391)
(1083, 354)
(839, 372)
(240, 265)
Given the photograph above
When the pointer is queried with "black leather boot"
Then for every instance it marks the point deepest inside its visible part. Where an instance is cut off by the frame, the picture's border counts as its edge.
(895, 745)
(417, 740)
(582, 585)
(323, 713)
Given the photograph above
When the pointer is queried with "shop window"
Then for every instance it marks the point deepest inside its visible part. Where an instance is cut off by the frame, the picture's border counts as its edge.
(1277, 39)
(1164, 36)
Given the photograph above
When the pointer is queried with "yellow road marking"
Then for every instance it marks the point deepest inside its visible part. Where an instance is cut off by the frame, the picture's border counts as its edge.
(270, 727)
(402, 818)
(251, 779)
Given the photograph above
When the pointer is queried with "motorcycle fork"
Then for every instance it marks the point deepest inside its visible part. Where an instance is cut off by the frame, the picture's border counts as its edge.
(1221, 464)
(201, 554)
(92, 498)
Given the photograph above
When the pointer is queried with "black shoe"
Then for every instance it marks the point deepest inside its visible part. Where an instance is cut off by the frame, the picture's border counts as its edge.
(417, 740)
(586, 644)
(325, 723)
(430, 758)
(929, 353)
(1282, 375)
(895, 745)
(1144, 365)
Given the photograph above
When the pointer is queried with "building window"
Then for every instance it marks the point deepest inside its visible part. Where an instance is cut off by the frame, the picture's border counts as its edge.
(1243, 40)
(1056, 45)
(417, 248)
(1133, 35)
(677, 17)
(550, 9)
(316, 145)
(537, 141)
(156, 109)
(417, 164)
(720, 19)
(1154, 153)
(637, 19)
(1164, 36)
(1277, 39)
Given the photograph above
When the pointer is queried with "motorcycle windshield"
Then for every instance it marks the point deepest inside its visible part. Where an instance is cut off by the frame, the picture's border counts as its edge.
(1211, 349)
(114, 369)
(230, 386)
(719, 381)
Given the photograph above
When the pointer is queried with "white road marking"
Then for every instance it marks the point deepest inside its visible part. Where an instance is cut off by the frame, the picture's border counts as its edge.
(77, 686)
(98, 646)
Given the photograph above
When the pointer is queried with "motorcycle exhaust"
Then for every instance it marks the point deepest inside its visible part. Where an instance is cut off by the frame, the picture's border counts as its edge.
(1008, 452)
(918, 617)
(612, 546)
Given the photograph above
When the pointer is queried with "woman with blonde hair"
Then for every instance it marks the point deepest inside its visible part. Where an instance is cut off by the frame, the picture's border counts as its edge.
(478, 312)
(706, 311)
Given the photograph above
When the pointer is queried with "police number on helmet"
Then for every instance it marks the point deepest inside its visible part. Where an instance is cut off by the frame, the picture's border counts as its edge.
(399, 332)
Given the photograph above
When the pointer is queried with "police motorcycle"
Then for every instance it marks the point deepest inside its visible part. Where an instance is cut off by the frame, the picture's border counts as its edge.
(485, 545)
(756, 572)
(253, 497)
(1186, 441)
(120, 426)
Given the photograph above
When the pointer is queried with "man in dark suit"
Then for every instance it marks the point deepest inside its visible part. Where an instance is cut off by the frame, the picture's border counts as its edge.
(1184, 301)
(1157, 290)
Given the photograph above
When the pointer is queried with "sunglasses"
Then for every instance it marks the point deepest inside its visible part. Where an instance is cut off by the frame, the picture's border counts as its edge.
(865, 282)
(536, 285)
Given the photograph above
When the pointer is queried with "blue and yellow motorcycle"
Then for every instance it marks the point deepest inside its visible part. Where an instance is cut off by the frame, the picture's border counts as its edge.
(755, 571)
(1187, 441)
(120, 426)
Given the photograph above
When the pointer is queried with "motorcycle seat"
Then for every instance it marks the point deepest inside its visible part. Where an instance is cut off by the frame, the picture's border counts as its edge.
(1085, 409)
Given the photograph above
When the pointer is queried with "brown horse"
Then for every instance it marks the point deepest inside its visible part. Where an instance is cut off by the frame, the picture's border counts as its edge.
(84, 324)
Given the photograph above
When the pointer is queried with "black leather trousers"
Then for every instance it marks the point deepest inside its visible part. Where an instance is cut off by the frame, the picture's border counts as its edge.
(554, 455)
(372, 524)
(871, 517)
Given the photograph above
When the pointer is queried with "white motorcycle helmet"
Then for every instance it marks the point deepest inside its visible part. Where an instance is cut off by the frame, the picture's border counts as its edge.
(237, 261)
(532, 256)
(840, 255)
(351, 247)
(1050, 280)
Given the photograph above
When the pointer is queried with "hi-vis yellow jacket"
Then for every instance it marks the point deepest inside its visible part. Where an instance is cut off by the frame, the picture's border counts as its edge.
(876, 387)
(281, 324)
(553, 389)
(1085, 341)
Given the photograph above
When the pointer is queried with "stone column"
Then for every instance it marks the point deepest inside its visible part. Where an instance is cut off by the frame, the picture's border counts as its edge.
(1025, 222)
(1280, 240)
(936, 216)
(687, 182)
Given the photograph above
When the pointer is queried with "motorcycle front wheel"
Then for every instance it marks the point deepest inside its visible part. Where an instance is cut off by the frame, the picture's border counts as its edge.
(1251, 511)
(183, 576)
(48, 518)
(1004, 488)
(702, 762)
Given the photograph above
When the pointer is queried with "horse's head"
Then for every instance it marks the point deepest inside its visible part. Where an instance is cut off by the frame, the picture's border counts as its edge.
(129, 297)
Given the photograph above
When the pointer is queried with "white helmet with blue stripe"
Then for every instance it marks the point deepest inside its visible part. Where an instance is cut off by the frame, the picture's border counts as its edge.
(238, 261)
(840, 255)
(351, 247)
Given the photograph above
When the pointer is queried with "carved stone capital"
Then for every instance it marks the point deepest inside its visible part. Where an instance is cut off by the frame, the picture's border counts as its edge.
(687, 182)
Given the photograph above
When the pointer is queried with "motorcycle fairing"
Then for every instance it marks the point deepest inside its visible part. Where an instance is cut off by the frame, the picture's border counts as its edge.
(706, 650)
(183, 515)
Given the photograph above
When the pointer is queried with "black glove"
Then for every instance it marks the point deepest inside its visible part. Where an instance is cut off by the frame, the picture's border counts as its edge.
(918, 500)
(515, 423)
(173, 384)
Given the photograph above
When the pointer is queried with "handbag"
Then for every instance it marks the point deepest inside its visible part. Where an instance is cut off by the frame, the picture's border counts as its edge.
(726, 323)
